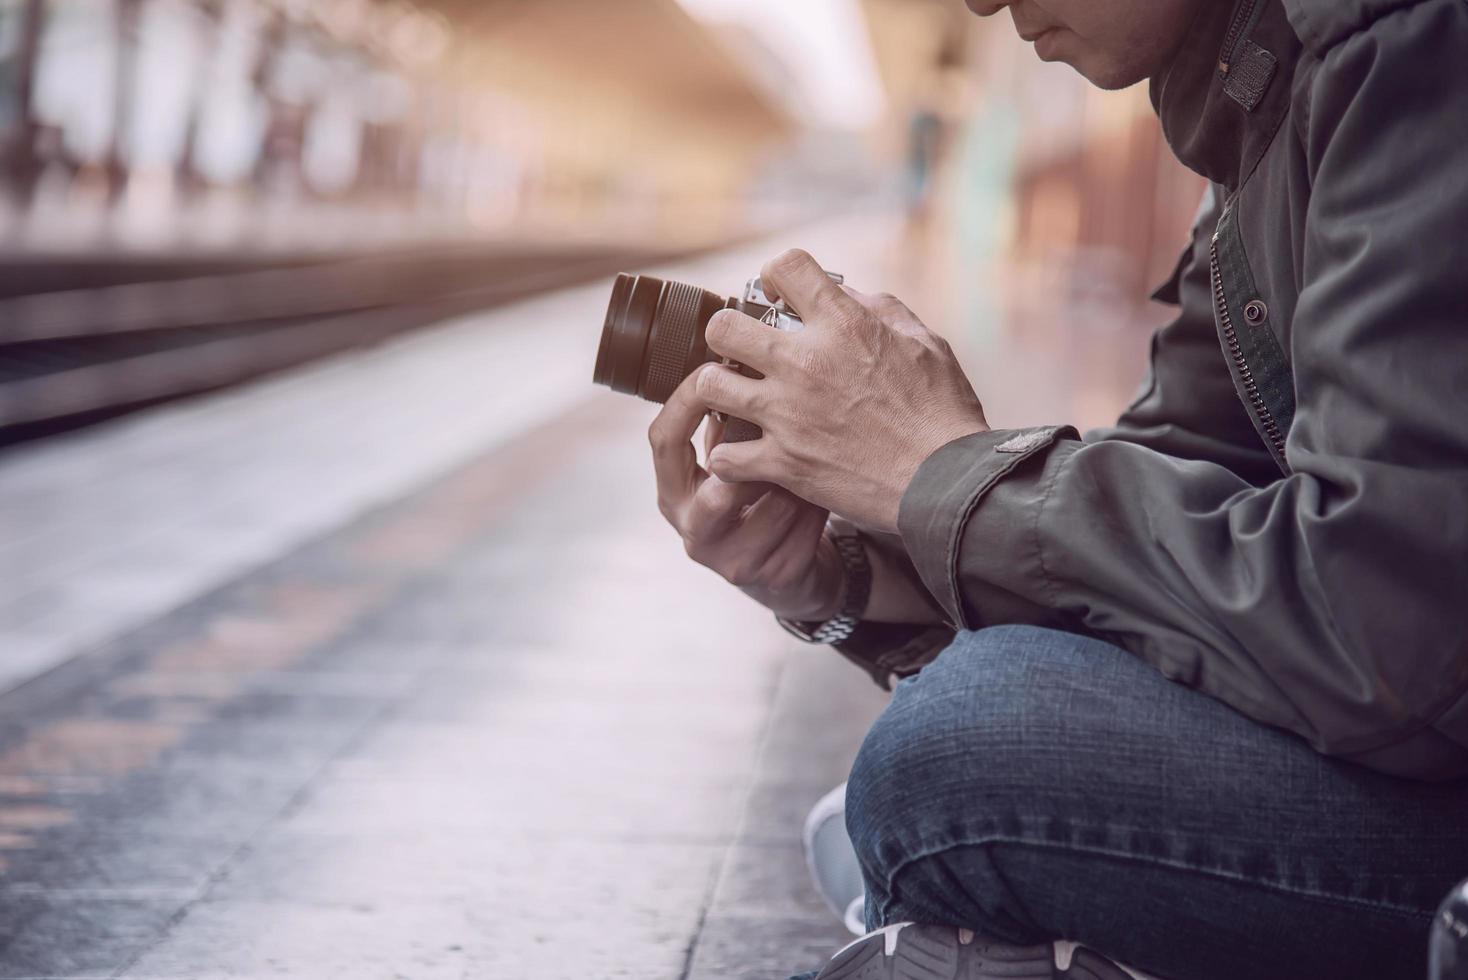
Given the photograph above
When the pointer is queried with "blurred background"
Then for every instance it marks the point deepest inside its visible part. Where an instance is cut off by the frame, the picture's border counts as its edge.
(340, 635)
(379, 154)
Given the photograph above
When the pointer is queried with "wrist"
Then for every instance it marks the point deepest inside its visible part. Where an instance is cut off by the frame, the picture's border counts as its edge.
(923, 447)
(835, 625)
(949, 430)
(828, 582)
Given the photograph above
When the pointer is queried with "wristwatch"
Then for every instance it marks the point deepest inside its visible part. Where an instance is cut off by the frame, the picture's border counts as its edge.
(857, 570)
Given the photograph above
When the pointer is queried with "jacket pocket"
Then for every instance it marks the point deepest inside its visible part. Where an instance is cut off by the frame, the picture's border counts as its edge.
(1260, 369)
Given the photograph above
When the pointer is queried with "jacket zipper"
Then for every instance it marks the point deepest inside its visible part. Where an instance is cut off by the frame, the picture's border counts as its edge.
(1231, 40)
(1235, 350)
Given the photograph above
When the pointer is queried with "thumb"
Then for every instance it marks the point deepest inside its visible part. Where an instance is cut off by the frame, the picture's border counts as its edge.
(739, 462)
(713, 434)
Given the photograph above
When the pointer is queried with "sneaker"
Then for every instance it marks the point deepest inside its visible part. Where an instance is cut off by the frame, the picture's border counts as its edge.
(832, 861)
(1448, 953)
(912, 952)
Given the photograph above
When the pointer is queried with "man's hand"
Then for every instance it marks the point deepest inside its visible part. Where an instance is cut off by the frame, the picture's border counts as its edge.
(759, 537)
(850, 406)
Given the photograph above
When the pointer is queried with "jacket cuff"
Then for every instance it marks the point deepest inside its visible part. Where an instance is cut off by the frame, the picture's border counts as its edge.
(944, 494)
(885, 650)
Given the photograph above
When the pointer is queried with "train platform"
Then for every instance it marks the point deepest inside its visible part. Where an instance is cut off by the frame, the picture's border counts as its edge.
(388, 666)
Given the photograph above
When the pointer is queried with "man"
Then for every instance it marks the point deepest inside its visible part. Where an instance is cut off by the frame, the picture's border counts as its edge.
(1203, 705)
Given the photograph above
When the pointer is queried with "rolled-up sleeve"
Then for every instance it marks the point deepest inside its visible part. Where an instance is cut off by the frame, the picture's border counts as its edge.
(943, 496)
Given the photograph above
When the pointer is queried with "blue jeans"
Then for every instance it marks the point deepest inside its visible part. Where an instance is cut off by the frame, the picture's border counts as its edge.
(1036, 785)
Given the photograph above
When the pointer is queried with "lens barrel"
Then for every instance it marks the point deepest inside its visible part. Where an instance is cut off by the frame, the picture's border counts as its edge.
(653, 336)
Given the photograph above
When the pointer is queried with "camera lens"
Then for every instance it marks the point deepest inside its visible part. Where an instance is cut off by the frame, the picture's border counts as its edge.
(653, 336)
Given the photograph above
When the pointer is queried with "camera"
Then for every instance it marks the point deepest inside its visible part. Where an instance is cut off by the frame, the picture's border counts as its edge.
(653, 336)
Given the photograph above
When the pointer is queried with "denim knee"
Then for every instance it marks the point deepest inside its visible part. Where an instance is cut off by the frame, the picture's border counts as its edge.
(1034, 785)
(966, 746)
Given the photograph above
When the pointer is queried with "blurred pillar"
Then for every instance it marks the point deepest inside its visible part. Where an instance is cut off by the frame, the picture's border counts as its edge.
(279, 161)
(124, 90)
(22, 167)
(190, 181)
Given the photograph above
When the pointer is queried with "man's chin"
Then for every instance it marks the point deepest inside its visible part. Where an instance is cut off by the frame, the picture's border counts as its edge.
(1094, 66)
(1105, 74)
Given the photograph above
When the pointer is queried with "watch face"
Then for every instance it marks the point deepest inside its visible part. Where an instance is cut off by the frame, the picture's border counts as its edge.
(801, 631)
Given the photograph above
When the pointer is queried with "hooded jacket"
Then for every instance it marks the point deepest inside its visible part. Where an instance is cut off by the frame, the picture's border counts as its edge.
(1280, 520)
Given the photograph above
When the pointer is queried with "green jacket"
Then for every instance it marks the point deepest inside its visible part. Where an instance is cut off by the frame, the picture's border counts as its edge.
(1281, 518)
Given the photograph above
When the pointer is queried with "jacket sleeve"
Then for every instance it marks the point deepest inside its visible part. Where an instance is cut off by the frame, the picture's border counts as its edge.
(1331, 601)
(887, 650)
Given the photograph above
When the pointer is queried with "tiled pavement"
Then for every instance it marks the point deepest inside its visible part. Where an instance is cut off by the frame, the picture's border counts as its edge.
(429, 746)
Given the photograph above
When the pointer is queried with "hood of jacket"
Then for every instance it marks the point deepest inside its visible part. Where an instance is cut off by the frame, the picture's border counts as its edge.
(1227, 89)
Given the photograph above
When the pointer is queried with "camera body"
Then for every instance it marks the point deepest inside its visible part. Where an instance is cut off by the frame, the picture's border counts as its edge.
(654, 336)
(654, 333)
(776, 314)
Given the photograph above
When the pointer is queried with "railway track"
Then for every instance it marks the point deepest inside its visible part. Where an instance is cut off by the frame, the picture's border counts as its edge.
(84, 339)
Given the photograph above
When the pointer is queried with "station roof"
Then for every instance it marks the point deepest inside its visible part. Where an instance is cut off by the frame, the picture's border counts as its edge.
(651, 49)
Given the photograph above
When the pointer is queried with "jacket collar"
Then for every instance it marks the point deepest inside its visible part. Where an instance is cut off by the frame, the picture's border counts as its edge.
(1226, 91)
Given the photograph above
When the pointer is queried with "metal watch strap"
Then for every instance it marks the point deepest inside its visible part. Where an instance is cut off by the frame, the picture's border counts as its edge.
(857, 570)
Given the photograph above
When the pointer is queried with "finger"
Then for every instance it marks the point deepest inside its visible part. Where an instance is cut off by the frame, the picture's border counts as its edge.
(885, 306)
(718, 506)
(713, 434)
(741, 462)
(765, 529)
(776, 507)
(744, 339)
(889, 310)
(795, 547)
(726, 390)
(673, 458)
(803, 284)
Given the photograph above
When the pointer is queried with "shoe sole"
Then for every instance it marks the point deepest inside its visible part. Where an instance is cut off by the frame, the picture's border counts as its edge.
(915, 952)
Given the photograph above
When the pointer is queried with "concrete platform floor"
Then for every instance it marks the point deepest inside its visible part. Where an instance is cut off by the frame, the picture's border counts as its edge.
(389, 668)
(428, 745)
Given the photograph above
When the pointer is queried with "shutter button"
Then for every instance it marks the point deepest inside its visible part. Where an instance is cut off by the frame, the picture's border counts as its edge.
(1255, 311)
